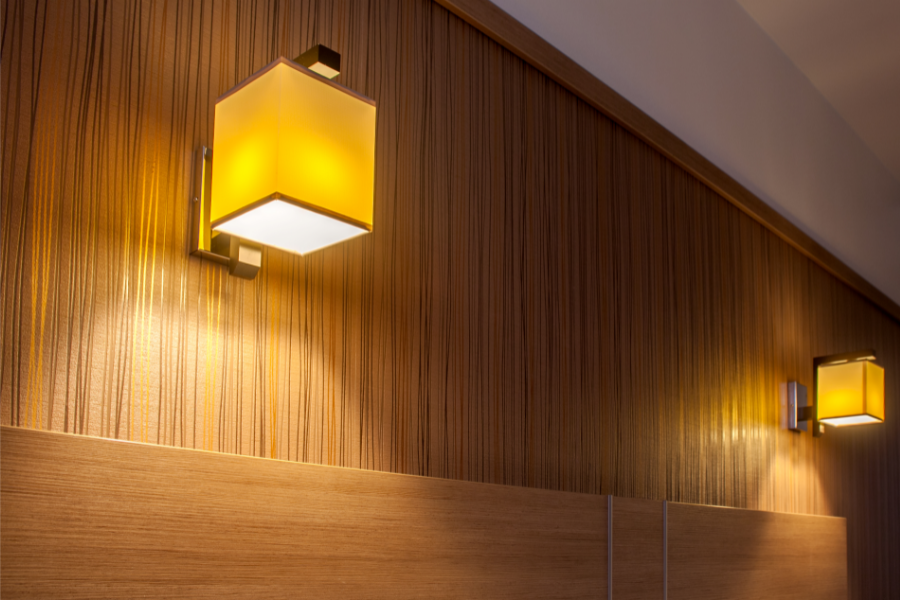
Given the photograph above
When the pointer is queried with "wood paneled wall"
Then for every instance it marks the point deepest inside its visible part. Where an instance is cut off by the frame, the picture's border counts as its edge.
(85, 517)
(718, 553)
(545, 301)
(539, 53)
(90, 518)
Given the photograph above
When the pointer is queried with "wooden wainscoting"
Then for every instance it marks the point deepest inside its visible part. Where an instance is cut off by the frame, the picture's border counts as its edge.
(637, 546)
(90, 518)
(716, 553)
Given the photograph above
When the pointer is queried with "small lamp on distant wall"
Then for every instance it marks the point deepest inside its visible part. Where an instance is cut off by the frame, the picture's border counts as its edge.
(848, 389)
(294, 165)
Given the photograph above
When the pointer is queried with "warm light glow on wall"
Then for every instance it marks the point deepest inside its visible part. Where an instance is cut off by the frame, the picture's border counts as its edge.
(850, 393)
(294, 162)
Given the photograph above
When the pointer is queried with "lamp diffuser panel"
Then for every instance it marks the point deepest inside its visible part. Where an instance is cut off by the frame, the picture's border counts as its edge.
(850, 393)
(293, 161)
(290, 227)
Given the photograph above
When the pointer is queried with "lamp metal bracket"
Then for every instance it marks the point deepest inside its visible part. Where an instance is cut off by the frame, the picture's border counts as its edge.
(800, 412)
(243, 258)
(322, 60)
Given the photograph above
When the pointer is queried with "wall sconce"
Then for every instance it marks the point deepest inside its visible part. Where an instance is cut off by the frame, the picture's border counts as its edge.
(294, 165)
(848, 389)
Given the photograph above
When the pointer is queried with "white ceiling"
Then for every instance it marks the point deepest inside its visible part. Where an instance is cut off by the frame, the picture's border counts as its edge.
(826, 158)
(850, 51)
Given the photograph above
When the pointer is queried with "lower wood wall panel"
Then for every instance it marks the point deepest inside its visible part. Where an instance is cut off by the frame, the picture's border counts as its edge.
(638, 535)
(90, 518)
(716, 553)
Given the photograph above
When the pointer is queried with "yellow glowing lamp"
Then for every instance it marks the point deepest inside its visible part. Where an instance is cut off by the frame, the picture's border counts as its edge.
(849, 389)
(293, 165)
(294, 160)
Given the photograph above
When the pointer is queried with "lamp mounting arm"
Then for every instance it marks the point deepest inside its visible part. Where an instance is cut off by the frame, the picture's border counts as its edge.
(321, 60)
(801, 411)
(243, 258)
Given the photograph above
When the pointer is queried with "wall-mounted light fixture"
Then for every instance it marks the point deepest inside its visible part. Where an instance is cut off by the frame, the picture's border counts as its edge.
(848, 389)
(293, 168)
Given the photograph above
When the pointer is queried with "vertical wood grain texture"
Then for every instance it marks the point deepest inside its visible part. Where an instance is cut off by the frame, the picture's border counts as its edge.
(638, 538)
(546, 301)
(716, 553)
(498, 25)
(91, 518)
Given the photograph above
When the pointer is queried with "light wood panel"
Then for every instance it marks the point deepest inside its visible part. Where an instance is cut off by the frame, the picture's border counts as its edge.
(498, 25)
(546, 300)
(637, 549)
(89, 518)
(730, 554)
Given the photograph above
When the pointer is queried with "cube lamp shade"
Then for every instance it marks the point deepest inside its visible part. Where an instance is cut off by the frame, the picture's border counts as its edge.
(294, 163)
(850, 393)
